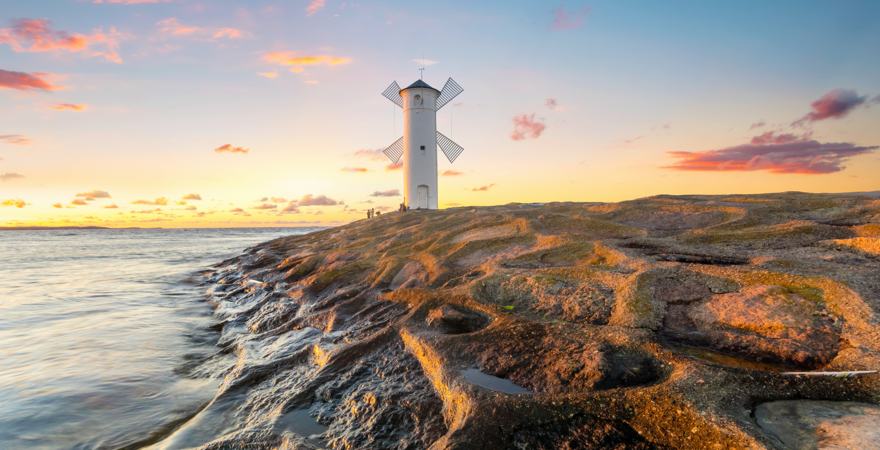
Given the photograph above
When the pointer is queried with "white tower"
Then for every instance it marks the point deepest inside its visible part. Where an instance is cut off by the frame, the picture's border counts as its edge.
(418, 146)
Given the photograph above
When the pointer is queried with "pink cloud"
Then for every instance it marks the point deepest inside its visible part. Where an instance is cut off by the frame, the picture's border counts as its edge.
(551, 104)
(70, 107)
(298, 62)
(569, 20)
(394, 166)
(319, 200)
(355, 169)
(773, 137)
(315, 6)
(25, 81)
(801, 157)
(175, 28)
(525, 126)
(229, 148)
(291, 208)
(227, 33)
(15, 139)
(266, 206)
(37, 35)
(451, 173)
(833, 105)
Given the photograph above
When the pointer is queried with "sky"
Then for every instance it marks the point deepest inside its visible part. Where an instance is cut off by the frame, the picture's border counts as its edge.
(188, 113)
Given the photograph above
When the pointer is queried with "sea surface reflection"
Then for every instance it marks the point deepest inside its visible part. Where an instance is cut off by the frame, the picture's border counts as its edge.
(98, 329)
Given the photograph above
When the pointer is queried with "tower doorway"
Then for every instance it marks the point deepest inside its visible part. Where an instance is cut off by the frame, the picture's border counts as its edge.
(422, 197)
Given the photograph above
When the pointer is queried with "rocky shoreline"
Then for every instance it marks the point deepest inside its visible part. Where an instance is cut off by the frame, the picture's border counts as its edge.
(660, 322)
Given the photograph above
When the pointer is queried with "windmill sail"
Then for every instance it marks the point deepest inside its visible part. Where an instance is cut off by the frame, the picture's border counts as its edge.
(450, 148)
(392, 93)
(395, 150)
(450, 90)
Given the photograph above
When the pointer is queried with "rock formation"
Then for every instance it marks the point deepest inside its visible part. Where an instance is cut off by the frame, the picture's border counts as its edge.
(659, 322)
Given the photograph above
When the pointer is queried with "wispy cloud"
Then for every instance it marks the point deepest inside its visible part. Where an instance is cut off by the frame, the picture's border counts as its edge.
(564, 19)
(757, 124)
(552, 104)
(370, 154)
(159, 201)
(37, 35)
(355, 169)
(266, 206)
(111, 206)
(315, 6)
(425, 62)
(298, 62)
(775, 137)
(78, 202)
(833, 105)
(229, 148)
(25, 81)
(10, 176)
(800, 157)
(175, 28)
(270, 75)
(526, 126)
(483, 188)
(451, 173)
(69, 107)
(14, 139)
(191, 197)
(57, 205)
(388, 193)
(394, 166)
(91, 195)
(16, 202)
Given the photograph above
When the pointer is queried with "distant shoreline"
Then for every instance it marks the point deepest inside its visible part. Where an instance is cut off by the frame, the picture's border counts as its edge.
(85, 228)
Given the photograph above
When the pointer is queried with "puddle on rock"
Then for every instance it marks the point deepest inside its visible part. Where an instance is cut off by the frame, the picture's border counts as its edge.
(493, 383)
(724, 360)
(299, 421)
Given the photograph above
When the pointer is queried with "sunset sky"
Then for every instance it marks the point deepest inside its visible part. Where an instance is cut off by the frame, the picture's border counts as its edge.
(178, 113)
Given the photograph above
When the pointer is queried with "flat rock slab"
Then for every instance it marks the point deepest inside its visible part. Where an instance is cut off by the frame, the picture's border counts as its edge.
(813, 424)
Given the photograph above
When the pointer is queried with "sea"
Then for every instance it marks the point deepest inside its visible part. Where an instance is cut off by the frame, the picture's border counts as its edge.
(98, 328)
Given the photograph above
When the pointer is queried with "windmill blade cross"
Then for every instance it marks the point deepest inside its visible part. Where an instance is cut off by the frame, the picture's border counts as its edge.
(395, 150)
(450, 148)
(392, 92)
(450, 90)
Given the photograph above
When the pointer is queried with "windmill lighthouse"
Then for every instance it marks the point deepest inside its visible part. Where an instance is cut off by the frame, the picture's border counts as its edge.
(418, 146)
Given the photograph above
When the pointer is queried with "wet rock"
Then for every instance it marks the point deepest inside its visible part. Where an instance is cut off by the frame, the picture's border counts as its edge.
(361, 328)
(812, 424)
(764, 323)
(455, 319)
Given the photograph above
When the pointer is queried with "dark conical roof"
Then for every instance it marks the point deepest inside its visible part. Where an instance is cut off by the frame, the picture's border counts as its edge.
(419, 84)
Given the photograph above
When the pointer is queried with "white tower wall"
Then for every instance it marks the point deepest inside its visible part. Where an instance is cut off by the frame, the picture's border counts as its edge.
(420, 148)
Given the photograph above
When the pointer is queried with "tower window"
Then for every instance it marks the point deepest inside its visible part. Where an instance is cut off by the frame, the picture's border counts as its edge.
(422, 147)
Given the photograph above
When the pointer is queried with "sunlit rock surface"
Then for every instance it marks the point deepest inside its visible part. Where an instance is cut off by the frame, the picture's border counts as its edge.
(660, 322)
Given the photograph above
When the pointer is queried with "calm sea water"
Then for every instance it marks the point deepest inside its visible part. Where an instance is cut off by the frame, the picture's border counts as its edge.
(98, 328)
